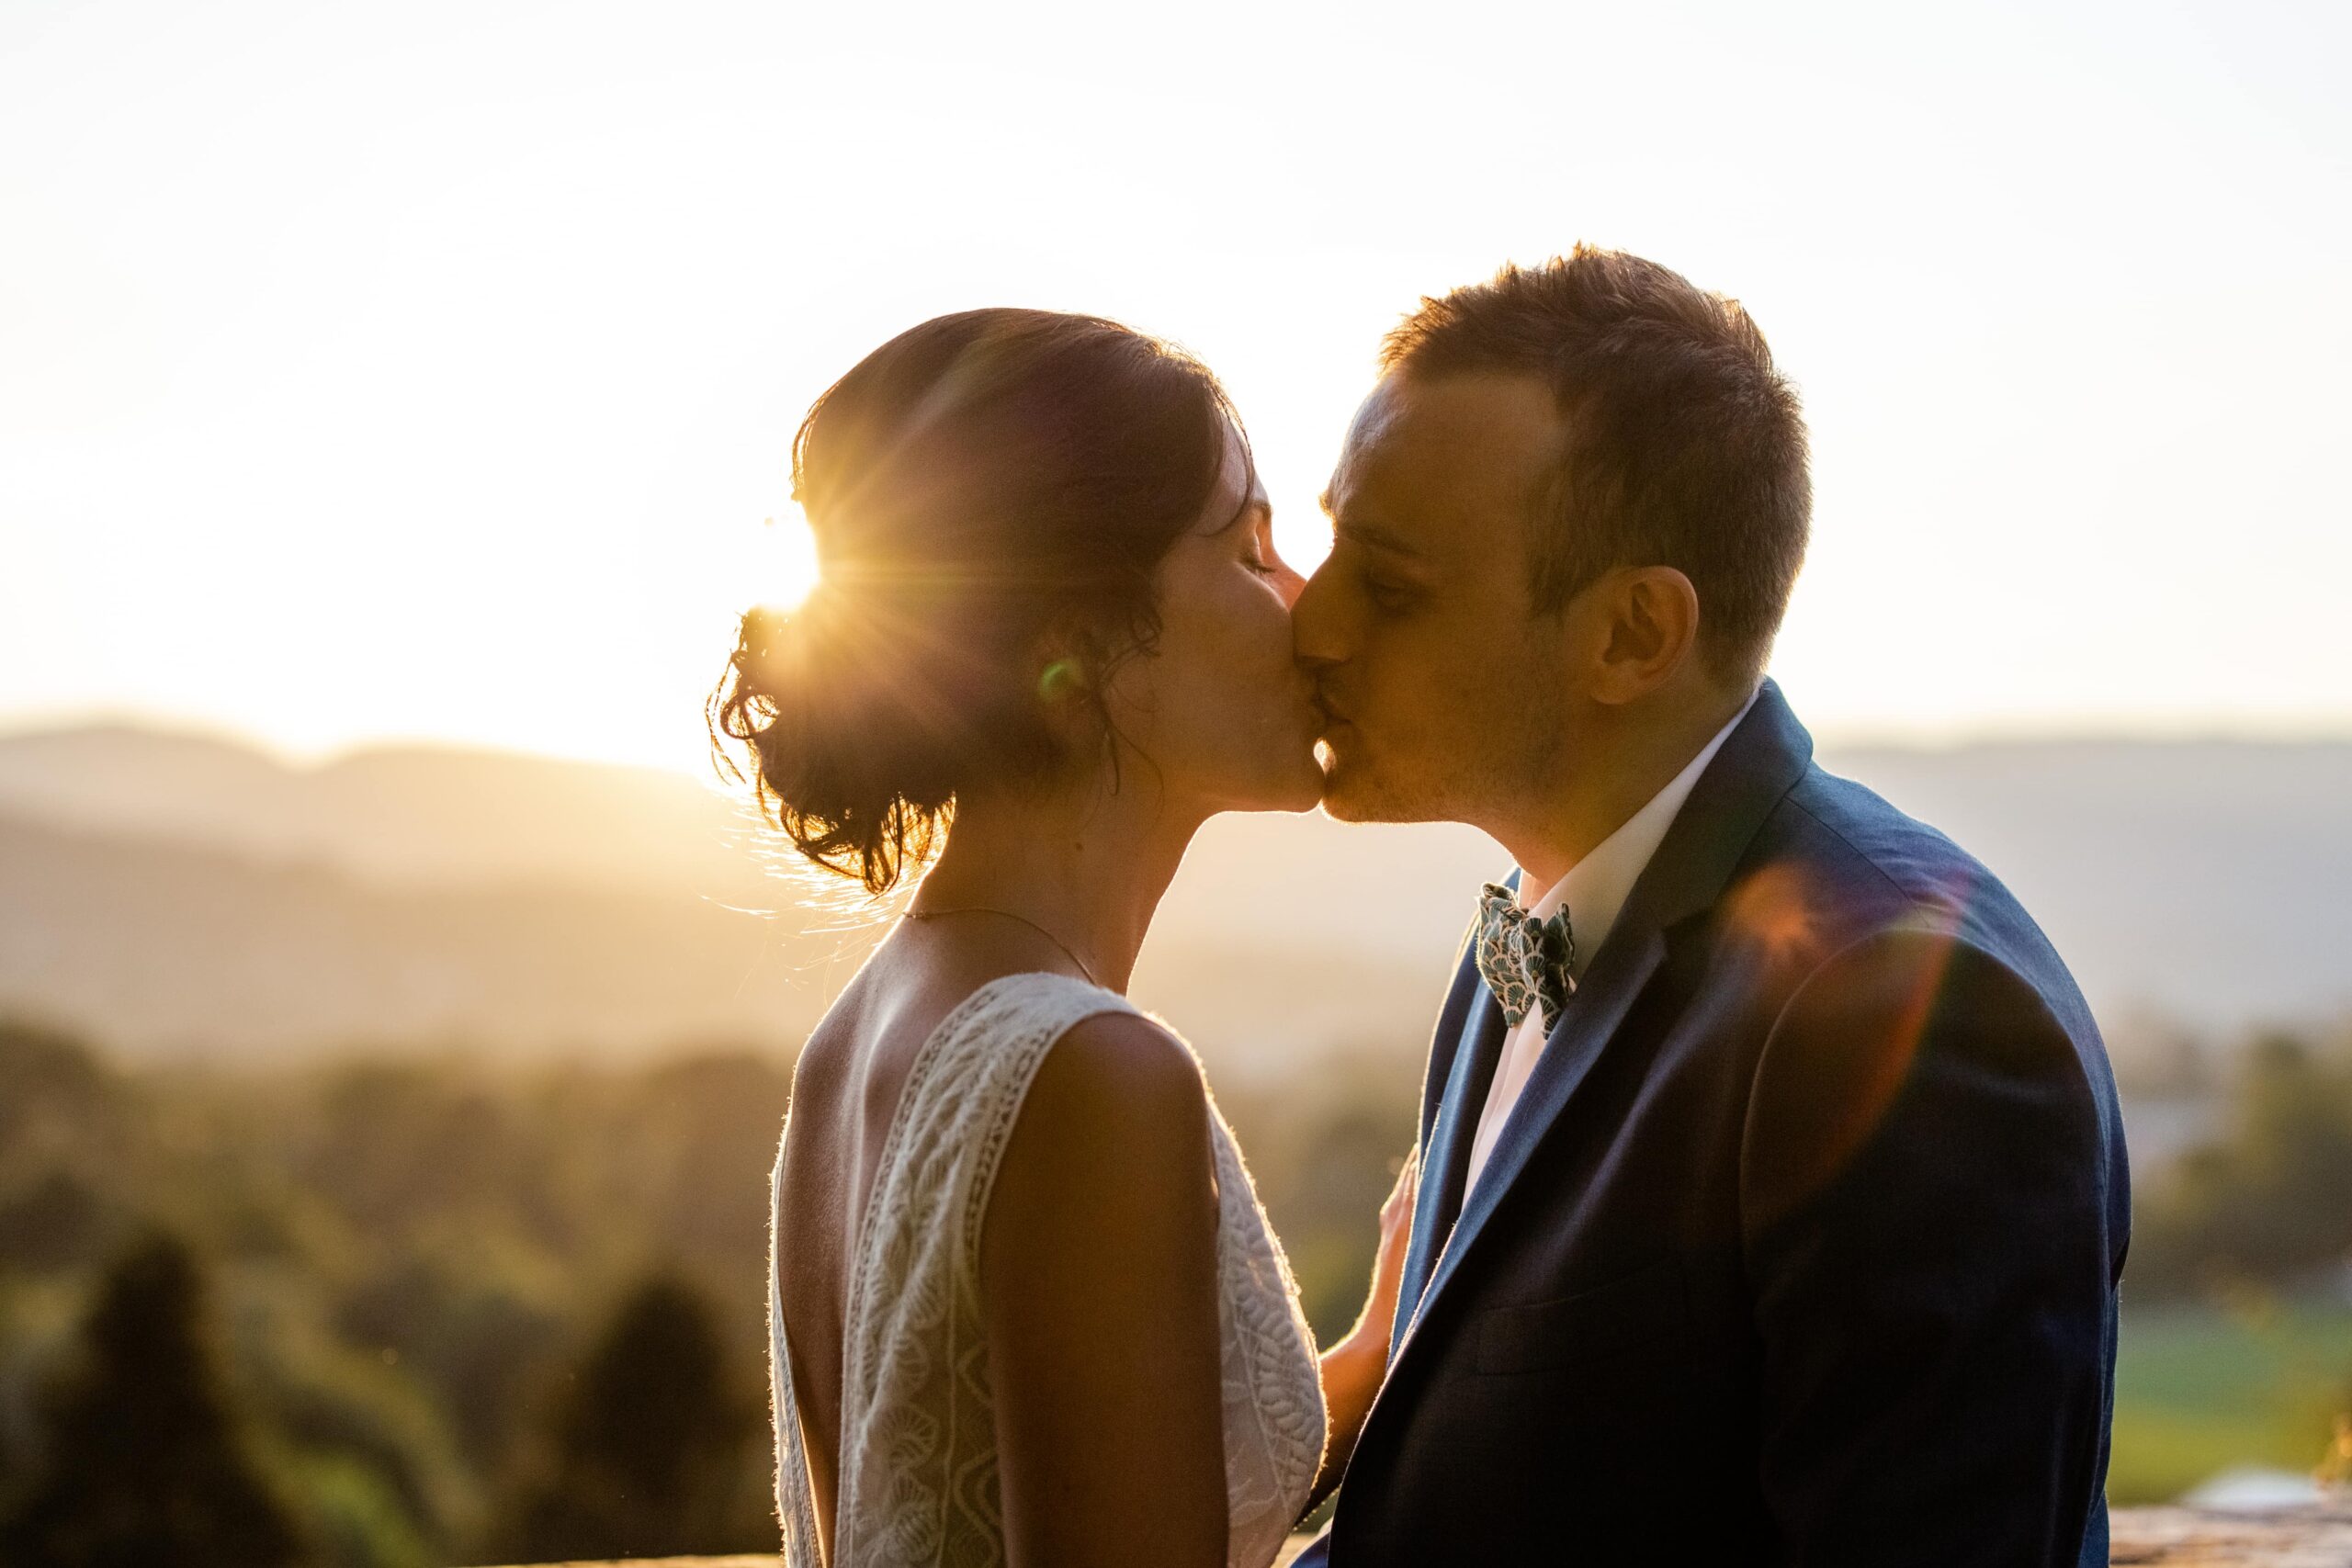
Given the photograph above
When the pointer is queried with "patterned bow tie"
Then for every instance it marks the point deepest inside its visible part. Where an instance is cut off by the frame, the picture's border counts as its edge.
(1523, 960)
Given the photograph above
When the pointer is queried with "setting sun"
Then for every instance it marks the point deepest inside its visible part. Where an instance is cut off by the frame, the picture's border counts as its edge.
(433, 346)
(784, 563)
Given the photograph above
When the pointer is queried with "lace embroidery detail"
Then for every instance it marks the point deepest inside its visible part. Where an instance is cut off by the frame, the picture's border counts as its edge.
(918, 1479)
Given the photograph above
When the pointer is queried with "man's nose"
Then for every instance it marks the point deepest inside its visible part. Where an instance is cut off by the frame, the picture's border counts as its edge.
(1314, 631)
(1289, 585)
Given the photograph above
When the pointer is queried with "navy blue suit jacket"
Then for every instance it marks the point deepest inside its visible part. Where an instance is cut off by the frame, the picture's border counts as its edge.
(1801, 1244)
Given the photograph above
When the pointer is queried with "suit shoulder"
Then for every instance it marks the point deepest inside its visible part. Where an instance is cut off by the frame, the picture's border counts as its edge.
(1890, 856)
(1917, 1033)
(1875, 866)
(1835, 862)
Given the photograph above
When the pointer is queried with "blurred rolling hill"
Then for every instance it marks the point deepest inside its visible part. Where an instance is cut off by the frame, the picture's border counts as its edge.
(186, 895)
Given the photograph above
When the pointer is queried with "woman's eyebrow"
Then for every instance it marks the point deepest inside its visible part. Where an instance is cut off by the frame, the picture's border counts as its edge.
(1253, 499)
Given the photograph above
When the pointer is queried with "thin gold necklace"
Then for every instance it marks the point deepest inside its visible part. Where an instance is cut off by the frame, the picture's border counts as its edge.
(987, 909)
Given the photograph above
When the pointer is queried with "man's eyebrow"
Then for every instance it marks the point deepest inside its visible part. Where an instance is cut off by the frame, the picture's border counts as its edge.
(1371, 535)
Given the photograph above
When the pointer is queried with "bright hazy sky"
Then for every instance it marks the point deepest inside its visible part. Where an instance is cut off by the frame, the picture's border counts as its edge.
(424, 370)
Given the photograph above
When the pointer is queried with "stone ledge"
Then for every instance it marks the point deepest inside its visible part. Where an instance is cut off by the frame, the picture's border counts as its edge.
(2204, 1538)
(2149, 1537)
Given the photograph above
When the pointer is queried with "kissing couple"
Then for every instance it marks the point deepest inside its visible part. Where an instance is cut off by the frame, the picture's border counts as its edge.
(1769, 1203)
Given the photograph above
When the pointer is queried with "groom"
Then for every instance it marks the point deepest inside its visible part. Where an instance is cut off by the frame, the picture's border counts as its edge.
(1773, 1198)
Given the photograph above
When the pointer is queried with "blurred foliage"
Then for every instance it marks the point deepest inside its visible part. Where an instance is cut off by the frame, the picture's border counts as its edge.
(2269, 1202)
(469, 1306)
(2237, 1341)
(411, 1261)
(144, 1460)
(644, 1454)
(465, 1310)
(1324, 1145)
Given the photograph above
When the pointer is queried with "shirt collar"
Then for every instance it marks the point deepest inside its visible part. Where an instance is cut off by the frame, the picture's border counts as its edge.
(1596, 887)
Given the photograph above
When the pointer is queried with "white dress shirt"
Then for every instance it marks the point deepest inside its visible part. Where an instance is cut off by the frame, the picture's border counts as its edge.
(1594, 890)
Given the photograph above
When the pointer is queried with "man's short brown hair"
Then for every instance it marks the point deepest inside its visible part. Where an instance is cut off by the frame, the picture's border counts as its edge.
(1685, 448)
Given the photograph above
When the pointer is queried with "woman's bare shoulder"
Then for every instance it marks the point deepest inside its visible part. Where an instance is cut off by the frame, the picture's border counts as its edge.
(1116, 1118)
(1118, 1069)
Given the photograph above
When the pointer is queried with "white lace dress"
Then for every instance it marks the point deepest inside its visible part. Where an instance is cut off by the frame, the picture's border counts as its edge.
(918, 1476)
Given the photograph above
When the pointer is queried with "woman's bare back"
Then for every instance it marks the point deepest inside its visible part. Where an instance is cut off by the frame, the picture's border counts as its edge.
(845, 1092)
(1128, 1337)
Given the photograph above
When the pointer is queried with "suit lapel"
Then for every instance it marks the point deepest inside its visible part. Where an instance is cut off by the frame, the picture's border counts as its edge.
(1759, 763)
(1619, 972)
(1447, 1159)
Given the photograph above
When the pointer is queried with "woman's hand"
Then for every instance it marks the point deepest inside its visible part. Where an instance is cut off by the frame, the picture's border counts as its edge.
(1379, 1315)
(1353, 1367)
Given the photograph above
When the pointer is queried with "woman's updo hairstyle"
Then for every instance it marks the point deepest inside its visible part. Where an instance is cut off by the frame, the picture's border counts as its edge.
(986, 485)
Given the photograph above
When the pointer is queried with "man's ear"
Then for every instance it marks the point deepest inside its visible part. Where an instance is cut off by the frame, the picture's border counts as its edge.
(1649, 619)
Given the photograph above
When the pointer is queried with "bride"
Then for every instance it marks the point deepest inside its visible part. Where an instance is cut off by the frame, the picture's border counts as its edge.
(1025, 1307)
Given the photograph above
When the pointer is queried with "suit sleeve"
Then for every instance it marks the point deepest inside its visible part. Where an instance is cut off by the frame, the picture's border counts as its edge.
(1922, 1187)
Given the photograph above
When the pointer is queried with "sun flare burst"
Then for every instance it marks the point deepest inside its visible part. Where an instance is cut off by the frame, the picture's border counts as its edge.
(784, 564)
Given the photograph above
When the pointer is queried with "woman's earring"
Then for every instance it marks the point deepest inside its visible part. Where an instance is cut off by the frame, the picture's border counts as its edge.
(1060, 676)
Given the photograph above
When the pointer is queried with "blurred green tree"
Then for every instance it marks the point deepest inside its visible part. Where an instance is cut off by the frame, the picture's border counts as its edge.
(2269, 1202)
(61, 1108)
(144, 1462)
(645, 1454)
